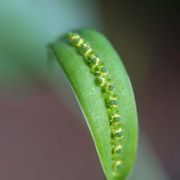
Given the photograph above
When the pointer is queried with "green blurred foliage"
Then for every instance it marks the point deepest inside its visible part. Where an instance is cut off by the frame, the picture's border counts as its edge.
(26, 27)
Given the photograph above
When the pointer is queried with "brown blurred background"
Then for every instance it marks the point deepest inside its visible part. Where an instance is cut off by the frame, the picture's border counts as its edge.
(146, 35)
(43, 134)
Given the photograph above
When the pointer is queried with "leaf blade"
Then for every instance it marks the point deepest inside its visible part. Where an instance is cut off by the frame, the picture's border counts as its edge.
(91, 101)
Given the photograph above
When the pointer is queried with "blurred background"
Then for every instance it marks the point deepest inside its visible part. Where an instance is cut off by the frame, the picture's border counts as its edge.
(43, 134)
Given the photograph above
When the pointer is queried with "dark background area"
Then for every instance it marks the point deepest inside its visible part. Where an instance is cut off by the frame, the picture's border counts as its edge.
(147, 35)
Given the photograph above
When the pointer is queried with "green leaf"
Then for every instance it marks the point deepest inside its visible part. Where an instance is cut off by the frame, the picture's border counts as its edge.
(92, 100)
